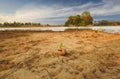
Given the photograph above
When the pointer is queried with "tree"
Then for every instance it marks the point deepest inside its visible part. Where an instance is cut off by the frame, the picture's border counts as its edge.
(77, 20)
(85, 13)
(104, 22)
(29, 23)
(87, 18)
(0, 24)
(73, 20)
(6, 24)
(69, 21)
(66, 23)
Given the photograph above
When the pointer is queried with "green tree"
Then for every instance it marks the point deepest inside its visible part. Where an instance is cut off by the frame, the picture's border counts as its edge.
(85, 13)
(6, 24)
(104, 22)
(70, 20)
(87, 18)
(66, 23)
(82, 23)
(76, 20)
(73, 20)
(0, 24)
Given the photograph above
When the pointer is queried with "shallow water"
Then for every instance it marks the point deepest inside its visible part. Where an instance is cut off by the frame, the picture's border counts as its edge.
(110, 29)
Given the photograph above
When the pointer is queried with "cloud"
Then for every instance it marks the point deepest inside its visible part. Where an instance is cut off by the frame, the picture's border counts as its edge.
(108, 7)
(58, 13)
(33, 13)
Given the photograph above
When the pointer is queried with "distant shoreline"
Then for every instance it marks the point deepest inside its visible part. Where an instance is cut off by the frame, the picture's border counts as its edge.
(52, 26)
(111, 29)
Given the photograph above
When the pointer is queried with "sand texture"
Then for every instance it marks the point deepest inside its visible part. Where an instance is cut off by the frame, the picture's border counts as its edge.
(34, 55)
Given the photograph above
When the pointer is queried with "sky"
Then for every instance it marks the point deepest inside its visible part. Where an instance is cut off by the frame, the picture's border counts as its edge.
(56, 11)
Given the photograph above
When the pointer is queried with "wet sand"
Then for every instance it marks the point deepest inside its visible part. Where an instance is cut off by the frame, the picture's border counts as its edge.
(34, 55)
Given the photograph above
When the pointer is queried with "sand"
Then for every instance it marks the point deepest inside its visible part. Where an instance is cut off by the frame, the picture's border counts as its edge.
(34, 55)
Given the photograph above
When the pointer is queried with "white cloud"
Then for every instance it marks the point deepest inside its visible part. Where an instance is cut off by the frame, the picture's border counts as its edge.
(108, 7)
(31, 13)
(39, 13)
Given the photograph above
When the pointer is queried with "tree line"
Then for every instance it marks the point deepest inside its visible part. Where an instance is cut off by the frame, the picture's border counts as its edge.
(85, 19)
(106, 23)
(14, 24)
(80, 20)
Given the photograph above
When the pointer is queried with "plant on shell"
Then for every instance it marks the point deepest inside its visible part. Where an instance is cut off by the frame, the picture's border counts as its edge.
(62, 51)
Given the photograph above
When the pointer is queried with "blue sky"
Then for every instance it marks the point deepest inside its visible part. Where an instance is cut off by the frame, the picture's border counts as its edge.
(56, 11)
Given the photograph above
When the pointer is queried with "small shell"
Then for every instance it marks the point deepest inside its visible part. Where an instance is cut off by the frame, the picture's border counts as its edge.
(62, 52)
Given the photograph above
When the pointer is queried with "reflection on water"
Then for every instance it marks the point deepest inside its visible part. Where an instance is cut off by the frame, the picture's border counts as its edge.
(110, 29)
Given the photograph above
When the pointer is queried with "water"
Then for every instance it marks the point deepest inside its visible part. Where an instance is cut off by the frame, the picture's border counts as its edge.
(109, 29)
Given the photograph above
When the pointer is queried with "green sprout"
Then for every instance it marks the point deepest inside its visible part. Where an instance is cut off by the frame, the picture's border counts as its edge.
(61, 45)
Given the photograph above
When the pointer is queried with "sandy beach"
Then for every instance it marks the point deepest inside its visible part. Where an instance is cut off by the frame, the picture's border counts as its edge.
(34, 55)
